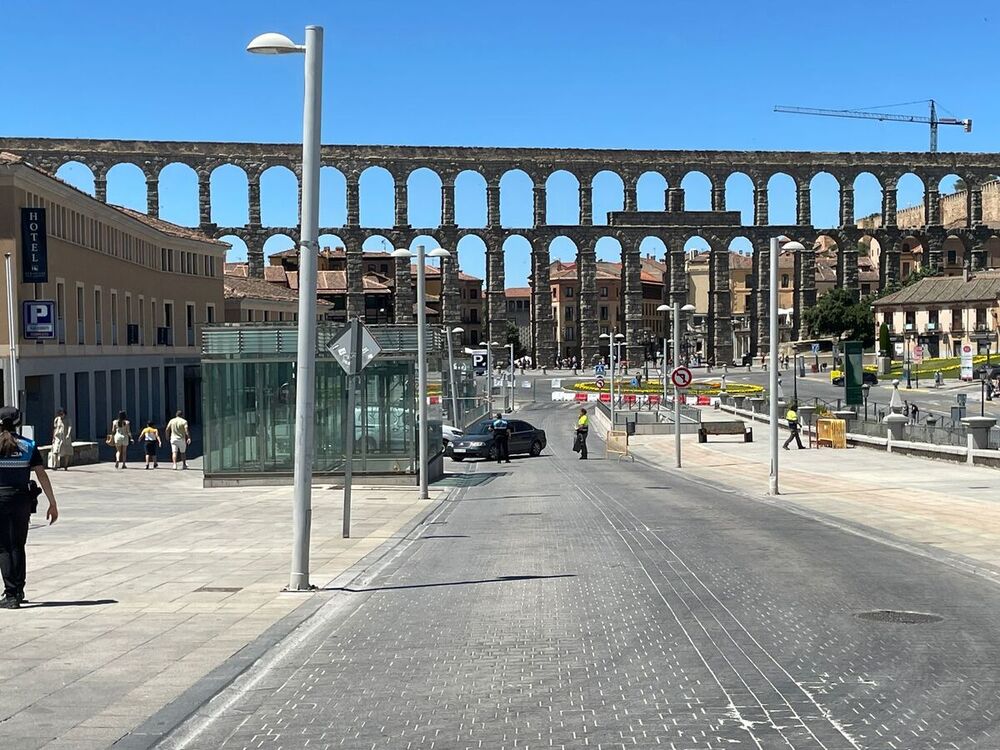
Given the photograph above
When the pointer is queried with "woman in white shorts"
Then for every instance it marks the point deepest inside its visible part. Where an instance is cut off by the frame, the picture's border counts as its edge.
(121, 436)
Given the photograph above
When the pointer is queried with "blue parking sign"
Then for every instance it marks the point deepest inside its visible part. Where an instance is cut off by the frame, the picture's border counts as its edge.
(38, 319)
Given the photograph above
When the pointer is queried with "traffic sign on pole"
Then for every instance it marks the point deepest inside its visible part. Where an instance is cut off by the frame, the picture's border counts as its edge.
(600, 382)
(681, 377)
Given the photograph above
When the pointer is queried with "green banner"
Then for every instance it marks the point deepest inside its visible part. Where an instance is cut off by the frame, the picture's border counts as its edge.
(854, 370)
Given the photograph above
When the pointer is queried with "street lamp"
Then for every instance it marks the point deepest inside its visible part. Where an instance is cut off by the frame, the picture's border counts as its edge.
(664, 308)
(612, 340)
(421, 354)
(865, 390)
(451, 373)
(773, 337)
(511, 359)
(489, 371)
(305, 373)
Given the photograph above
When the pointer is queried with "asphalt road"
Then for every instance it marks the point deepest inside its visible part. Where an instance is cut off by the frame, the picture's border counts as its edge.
(559, 603)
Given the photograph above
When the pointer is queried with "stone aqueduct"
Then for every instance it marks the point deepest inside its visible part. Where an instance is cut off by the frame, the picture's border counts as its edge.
(674, 227)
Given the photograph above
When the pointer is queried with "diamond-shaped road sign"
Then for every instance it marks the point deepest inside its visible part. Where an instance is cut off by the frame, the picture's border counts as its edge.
(342, 350)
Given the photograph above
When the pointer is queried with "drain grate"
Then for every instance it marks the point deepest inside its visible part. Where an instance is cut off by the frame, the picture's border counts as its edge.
(220, 589)
(900, 617)
(523, 514)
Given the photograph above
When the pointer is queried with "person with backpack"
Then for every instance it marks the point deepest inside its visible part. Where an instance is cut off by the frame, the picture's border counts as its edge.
(150, 439)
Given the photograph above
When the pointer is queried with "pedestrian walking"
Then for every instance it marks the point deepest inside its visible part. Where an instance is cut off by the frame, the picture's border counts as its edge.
(61, 452)
(179, 437)
(582, 428)
(501, 438)
(120, 437)
(915, 412)
(150, 439)
(793, 425)
(19, 457)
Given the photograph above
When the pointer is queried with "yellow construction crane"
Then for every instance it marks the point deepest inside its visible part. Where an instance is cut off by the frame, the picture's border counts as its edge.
(933, 120)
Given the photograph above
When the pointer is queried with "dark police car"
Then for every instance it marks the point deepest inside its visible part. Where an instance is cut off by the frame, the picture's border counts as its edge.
(477, 442)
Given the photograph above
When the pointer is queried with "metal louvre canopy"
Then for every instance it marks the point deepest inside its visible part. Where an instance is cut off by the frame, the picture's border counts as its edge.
(269, 339)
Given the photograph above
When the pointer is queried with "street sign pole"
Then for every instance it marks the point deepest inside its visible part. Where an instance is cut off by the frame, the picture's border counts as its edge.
(677, 391)
(349, 422)
(11, 331)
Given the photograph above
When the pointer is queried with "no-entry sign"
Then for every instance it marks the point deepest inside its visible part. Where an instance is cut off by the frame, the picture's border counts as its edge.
(680, 377)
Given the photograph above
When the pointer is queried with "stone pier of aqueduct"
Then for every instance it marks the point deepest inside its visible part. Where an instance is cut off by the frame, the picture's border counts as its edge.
(630, 227)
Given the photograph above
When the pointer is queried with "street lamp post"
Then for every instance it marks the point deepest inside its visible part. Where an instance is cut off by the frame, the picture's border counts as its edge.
(511, 359)
(421, 356)
(305, 373)
(451, 373)
(865, 389)
(773, 365)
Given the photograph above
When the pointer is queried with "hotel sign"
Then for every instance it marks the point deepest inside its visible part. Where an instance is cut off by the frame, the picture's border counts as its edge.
(34, 247)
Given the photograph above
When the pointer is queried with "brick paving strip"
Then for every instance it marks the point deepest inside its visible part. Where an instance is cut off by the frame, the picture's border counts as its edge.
(948, 511)
(149, 582)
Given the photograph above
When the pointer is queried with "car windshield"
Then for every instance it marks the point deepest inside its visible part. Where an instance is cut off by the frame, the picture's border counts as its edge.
(480, 428)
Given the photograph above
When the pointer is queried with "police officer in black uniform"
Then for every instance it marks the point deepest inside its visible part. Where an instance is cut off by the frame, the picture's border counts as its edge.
(501, 438)
(19, 457)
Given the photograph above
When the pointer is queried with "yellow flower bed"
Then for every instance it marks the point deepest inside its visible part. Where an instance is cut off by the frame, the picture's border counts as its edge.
(654, 388)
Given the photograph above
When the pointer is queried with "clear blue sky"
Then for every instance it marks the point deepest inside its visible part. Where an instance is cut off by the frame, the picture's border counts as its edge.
(585, 73)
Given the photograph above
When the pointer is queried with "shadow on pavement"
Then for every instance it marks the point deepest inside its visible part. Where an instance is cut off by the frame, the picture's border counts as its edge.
(501, 579)
(81, 603)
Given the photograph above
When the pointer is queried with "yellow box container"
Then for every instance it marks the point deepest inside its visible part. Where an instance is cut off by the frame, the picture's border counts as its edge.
(831, 432)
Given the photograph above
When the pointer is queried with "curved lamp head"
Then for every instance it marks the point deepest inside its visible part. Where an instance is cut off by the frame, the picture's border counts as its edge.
(439, 252)
(662, 308)
(401, 252)
(458, 329)
(795, 247)
(619, 335)
(273, 43)
(604, 336)
(688, 308)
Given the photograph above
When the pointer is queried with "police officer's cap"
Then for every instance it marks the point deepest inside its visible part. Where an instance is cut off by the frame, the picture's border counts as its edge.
(10, 414)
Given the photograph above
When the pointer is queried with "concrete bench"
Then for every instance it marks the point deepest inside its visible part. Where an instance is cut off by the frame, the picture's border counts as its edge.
(83, 453)
(730, 427)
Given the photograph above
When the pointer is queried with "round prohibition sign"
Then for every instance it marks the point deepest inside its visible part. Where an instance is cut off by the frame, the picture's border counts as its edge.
(680, 377)
(600, 382)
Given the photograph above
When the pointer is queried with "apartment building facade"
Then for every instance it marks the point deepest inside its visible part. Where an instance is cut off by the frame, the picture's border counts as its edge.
(129, 294)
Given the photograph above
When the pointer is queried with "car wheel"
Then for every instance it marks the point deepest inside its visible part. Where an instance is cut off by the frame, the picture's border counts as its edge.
(536, 448)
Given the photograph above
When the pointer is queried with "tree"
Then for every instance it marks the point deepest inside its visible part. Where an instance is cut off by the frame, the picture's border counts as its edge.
(884, 344)
(513, 336)
(837, 313)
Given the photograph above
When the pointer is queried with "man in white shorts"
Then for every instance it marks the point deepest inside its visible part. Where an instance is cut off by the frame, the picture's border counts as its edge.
(180, 439)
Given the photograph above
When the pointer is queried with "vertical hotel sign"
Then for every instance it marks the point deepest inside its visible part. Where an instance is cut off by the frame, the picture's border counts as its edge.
(34, 247)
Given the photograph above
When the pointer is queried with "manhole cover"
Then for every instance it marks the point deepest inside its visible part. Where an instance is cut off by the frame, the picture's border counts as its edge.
(899, 617)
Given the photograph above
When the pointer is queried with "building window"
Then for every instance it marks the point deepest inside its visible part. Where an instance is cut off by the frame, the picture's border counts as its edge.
(569, 291)
(189, 323)
(784, 281)
(474, 315)
(98, 337)
(81, 323)
(982, 319)
(569, 313)
(604, 291)
(553, 292)
(866, 289)
(168, 324)
(932, 320)
(114, 319)
(956, 320)
(570, 334)
(911, 320)
(906, 269)
(952, 257)
(604, 312)
(473, 293)
(209, 313)
(61, 312)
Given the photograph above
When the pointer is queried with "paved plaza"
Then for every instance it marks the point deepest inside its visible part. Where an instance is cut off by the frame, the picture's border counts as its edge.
(147, 583)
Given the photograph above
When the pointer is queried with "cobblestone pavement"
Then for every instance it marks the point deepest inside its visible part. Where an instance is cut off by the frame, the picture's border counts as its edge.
(553, 603)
